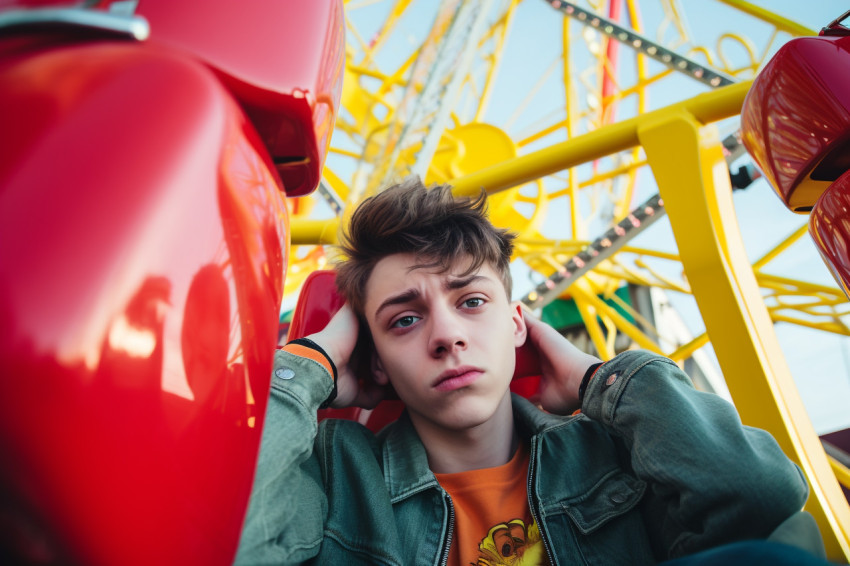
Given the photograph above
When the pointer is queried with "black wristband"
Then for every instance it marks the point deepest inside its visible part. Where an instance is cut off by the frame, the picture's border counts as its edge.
(307, 343)
(586, 379)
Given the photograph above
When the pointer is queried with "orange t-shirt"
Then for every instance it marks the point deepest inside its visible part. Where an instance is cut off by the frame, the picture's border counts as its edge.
(493, 524)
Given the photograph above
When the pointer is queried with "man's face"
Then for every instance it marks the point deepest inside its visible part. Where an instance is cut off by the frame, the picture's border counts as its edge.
(446, 343)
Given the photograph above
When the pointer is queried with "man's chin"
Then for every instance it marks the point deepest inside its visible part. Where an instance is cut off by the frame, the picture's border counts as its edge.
(465, 413)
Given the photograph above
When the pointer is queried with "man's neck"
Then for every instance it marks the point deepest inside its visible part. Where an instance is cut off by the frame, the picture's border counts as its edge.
(490, 444)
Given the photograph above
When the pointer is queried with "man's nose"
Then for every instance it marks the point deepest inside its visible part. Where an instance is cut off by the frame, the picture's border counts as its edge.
(447, 332)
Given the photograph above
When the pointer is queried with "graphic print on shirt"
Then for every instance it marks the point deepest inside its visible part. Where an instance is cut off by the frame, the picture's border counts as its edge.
(512, 543)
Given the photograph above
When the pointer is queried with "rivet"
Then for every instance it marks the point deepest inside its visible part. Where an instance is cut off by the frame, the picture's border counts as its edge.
(618, 497)
(284, 373)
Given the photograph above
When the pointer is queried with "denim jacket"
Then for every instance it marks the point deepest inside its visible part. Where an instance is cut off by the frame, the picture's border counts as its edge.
(651, 469)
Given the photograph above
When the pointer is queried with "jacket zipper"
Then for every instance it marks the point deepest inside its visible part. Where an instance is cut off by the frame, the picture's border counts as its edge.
(532, 503)
(448, 544)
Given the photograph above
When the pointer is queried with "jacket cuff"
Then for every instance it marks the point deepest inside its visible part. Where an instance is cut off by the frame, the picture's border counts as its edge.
(608, 383)
(309, 378)
(588, 375)
(309, 349)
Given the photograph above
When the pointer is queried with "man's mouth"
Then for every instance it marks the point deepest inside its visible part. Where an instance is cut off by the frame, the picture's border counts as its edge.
(457, 378)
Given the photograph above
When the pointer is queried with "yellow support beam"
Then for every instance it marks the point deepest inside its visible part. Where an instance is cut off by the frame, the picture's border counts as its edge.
(687, 161)
(685, 351)
(781, 247)
(707, 107)
(591, 323)
(304, 232)
(776, 20)
(583, 293)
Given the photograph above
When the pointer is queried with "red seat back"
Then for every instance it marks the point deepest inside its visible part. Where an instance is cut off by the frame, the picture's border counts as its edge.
(828, 226)
(795, 120)
(796, 124)
(317, 304)
(281, 61)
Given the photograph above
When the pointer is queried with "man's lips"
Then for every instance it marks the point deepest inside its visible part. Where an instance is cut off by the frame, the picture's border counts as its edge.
(457, 378)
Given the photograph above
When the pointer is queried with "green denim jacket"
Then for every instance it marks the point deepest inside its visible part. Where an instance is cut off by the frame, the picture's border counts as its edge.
(651, 469)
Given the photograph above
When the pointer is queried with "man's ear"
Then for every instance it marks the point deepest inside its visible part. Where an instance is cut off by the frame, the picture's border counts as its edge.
(520, 329)
(377, 367)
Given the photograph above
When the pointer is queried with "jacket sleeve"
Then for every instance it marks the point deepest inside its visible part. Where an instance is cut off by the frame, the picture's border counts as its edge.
(288, 505)
(711, 480)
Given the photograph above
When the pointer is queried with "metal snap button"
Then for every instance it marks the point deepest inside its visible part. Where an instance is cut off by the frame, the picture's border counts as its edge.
(612, 378)
(618, 497)
(284, 373)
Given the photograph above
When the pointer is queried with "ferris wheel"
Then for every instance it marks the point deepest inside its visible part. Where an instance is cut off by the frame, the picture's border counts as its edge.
(606, 135)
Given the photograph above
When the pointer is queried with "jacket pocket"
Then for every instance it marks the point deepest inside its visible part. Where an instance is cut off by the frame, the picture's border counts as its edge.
(602, 526)
(615, 494)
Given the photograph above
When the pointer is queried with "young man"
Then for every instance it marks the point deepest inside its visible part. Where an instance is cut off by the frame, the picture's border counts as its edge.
(649, 470)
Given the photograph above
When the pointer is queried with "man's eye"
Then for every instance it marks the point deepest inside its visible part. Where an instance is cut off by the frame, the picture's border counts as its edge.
(405, 321)
(473, 303)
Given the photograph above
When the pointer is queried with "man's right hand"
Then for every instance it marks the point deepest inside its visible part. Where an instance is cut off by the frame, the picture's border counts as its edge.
(338, 339)
(562, 366)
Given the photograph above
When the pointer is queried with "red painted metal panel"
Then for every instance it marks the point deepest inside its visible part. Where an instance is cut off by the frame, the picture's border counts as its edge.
(796, 118)
(829, 226)
(283, 61)
(142, 245)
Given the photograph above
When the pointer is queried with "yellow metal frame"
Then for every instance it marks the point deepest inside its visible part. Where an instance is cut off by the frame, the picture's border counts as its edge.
(732, 308)
(781, 24)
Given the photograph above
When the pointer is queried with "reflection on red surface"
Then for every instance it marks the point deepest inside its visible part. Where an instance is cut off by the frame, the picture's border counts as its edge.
(319, 300)
(829, 225)
(796, 114)
(143, 242)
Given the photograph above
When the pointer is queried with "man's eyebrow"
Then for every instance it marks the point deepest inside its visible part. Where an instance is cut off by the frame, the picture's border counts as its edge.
(452, 284)
(403, 297)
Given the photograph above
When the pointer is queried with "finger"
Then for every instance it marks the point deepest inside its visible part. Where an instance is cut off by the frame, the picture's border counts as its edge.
(528, 314)
(343, 322)
(339, 336)
(537, 329)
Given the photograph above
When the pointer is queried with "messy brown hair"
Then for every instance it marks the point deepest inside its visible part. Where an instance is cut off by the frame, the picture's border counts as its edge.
(428, 222)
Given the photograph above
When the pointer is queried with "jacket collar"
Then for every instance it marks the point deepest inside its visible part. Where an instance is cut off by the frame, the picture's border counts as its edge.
(531, 421)
(406, 470)
(405, 461)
